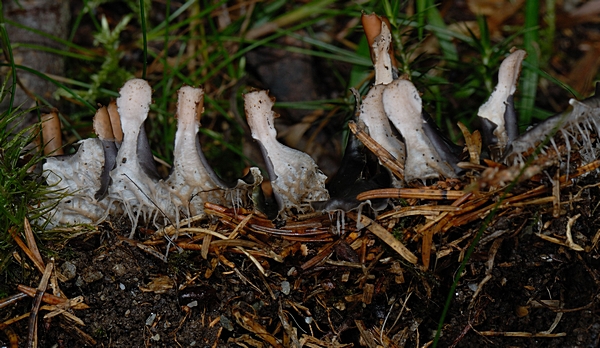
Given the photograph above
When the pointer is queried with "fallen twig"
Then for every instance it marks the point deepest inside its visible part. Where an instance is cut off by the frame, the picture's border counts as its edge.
(385, 236)
(35, 307)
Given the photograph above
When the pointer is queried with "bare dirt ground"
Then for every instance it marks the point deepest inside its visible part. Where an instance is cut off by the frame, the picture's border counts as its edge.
(346, 290)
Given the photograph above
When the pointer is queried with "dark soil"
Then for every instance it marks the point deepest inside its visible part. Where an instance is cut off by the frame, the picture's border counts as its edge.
(138, 300)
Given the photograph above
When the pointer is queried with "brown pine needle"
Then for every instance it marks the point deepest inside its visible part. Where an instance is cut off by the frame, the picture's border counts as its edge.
(384, 156)
(31, 243)
(39, 265)
(385, 236)
(49, 298)
(408, 193)
(35, 307)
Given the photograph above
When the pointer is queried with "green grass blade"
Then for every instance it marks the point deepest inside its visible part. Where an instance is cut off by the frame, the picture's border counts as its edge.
(550, 32)
(336, 53)
(85, 85)
(352, 59)
(51, 37)
(7, 49)
(184, 23)
(554, 80)
(435, 19)
(529, 79)
(176, 14)
(144, 39)
(240, 53)
(77, 21)
(166, 77)
(47, 78)
(59, 52)
(313, 8)
(421, 6)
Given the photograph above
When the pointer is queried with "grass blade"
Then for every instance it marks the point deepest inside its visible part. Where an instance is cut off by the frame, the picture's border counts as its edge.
(144, 39)
(435, 19)
(7, 49)
(529, 80)
(47, 78)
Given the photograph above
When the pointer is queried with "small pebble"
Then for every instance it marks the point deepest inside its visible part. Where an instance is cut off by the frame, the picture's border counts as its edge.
(203, 295)
(92, 276)
(226, 323)
(119, 269)
(150, 319)
(69, 270)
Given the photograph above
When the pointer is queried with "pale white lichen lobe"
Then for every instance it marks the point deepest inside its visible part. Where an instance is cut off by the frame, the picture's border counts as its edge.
(296, 180)
(135, 187)
(384, 69)
(192, 181)
(295, 177)
(495, 108)
(78, 176)
(403, 107)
